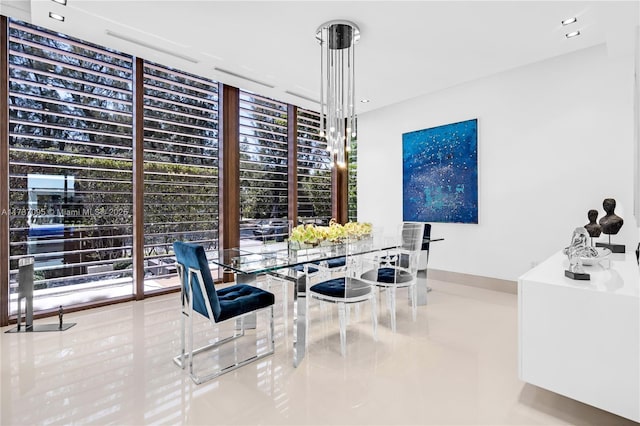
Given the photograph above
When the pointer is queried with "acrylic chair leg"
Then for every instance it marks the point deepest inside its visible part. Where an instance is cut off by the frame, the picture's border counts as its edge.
(414, 301)
(326, 310)
(272, 334)
(357, 311)
(391, 302)
(285, 302)
(182, 337)
(239, 329)
(191, 340)
(374, 317)
(307, 301)
(342, 314)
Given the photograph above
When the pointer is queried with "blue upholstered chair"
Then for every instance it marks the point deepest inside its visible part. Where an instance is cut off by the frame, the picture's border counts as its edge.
(399, 269)
(343, 290)
(234, 302)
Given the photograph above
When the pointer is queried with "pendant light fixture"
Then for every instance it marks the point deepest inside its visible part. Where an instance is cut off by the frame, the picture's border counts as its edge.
(337, 86)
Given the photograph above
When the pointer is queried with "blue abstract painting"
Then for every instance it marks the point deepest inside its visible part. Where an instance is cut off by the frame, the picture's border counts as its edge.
(440, 173)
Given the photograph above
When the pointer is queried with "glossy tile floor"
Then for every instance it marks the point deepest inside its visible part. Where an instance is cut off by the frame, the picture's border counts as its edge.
(457, 364)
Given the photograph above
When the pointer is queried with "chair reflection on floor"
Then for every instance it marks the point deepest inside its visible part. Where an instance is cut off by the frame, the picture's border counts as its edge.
(230, 303)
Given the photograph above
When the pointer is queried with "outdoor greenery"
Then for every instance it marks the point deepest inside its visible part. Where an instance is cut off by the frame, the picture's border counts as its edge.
(263, 158)
(180, 161)
(314, 170)
(70, 116)
(71, 121)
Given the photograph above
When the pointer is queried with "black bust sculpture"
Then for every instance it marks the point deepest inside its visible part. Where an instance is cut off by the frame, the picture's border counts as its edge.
(610, 223)
(593, 228)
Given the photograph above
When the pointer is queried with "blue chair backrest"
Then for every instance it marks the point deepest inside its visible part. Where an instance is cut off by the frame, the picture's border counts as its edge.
(193, 256)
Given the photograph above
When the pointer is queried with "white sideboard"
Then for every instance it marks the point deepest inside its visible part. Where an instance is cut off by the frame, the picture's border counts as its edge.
(581, 339)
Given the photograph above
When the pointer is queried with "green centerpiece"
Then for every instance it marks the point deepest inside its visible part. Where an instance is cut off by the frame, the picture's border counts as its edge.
(304, 236)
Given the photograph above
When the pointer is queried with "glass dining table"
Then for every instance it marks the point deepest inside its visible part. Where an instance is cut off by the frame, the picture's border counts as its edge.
(280, 261)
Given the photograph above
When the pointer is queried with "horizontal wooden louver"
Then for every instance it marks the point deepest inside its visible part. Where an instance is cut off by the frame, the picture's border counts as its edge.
(70, 149)
(314, 171)
(180, 167)
(263, 169)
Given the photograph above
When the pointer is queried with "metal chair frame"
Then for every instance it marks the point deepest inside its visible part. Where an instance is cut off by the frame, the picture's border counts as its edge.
(239, 330)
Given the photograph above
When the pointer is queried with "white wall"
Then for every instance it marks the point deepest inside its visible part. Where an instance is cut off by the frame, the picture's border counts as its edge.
(554, 139)
(636, 173)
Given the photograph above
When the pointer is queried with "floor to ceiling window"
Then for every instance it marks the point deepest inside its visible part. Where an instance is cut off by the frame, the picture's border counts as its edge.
(314, 171)
(352, 197)
(180, 168)
(74, 181)
(70, 153)
(263, 170)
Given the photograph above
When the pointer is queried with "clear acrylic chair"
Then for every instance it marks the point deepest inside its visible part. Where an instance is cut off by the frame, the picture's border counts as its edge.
(343, 290)
(230, 303)
(398, 268)
(317, 270)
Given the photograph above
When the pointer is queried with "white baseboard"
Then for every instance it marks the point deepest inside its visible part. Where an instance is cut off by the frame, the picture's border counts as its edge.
(487, 283)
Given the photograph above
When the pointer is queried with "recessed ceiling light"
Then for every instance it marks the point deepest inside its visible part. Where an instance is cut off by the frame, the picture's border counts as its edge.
(365, 101)
(56, 16)
(572, 34)
(569, 21)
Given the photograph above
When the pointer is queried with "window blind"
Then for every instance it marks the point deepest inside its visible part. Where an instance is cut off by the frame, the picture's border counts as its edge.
(314, 171)
(263, 168)
(70, 153)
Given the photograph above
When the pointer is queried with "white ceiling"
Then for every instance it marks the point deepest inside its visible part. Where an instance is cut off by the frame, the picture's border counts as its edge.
(407, 48)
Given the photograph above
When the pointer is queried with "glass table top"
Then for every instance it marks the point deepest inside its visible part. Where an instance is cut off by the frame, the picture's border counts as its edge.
(264, 259)
(267, 258)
